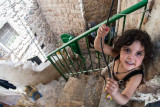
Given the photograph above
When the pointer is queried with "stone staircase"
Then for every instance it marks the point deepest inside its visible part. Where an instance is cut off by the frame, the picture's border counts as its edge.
(84, 91)
(87, 91)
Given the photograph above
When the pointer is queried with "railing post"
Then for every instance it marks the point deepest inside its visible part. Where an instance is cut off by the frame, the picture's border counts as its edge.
(142, 17)
(85, 34)
(124, 21)
(57, 69)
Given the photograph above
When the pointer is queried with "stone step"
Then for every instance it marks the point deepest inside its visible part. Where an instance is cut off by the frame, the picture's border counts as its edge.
(93, 91)
(84, 91)
(73, 92)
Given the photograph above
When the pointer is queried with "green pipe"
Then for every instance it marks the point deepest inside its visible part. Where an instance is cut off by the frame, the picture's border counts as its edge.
(56, 63)
(142, 17)
(61, 63)
(58, 69)
(124, 20)
(76, 59)
(65, 61)
(112, 19)
(71, 62)
(89, 52)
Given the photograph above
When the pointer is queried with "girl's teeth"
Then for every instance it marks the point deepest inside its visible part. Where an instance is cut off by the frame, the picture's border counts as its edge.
(129, 63)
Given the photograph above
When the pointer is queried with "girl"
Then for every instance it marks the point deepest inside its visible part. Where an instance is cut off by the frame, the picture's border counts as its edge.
(131, 50)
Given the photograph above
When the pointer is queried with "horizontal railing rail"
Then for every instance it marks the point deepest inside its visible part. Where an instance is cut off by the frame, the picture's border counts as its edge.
(69, 64)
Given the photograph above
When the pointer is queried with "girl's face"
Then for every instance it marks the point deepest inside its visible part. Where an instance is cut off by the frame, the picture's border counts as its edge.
(132, 56)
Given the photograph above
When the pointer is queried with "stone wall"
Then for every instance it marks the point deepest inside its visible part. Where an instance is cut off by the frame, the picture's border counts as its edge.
(131, 21)
(26, 18)
(64, 16)
(152, 27)
(97, 10)
(43, 28)
(73, 16)
(150, 24)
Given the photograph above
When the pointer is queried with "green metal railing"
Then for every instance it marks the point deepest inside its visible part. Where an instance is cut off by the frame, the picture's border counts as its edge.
(65, 60)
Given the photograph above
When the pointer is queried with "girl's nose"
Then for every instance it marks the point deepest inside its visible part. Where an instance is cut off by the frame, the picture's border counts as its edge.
(131, 56)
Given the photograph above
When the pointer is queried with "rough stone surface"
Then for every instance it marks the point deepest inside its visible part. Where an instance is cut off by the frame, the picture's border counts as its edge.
(49, 19)
(73, 91)
(63, 16)
(26, 19)
(97, 10)
(84, 91)
(50, 92)
(93, 91)
(151, 25)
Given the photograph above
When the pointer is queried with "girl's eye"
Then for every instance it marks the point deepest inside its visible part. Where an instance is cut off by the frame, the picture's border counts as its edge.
(127, 50)
(139, 53)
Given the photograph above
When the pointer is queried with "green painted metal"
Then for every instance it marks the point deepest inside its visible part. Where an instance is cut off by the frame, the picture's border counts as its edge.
(142, 17)
(124, 21)
(129, 10)
(74, 46)
(76, 60)
(64, 67)
(57, 64)
(89, 52)
(57, 69)
(71, 62)
(112, 19)
(65, 61)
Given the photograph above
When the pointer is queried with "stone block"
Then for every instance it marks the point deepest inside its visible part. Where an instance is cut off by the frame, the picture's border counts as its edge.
(75, 2)
(11, 13)
(18, 7)
(65, 1)
(35, 6)
(76, 11)
(77, 7)
(2, 2)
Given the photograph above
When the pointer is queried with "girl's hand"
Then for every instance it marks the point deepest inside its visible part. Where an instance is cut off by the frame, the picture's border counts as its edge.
(103, 31)
(112, 87)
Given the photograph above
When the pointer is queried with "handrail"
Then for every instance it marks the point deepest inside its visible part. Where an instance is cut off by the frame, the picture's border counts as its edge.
(112, 19)
(63, 66)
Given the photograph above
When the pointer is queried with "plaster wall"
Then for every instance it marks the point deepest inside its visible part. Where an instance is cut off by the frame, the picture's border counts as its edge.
(26, 18)
(148, 92)
(150, 24)
(64, 16)
(97, 10)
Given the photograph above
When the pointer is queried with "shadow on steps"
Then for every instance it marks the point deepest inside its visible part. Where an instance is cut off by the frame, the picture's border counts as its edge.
(84, 91)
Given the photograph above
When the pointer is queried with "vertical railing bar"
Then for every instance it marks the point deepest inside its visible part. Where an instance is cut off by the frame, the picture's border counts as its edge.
(79, 50)
(89, 52)
(124, 21)
(57, 69)
(76, 60)
(143, 16)
(65, 62)
(99, 63)
(62, 63)
(70, 59)
(57, 64)
(83, 59)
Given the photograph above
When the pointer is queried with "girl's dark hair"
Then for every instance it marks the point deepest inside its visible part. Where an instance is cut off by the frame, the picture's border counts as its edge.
(129, 36)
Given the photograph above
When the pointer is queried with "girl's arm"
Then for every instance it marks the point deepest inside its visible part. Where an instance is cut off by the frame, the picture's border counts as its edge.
(102, 32)
(122, 98)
